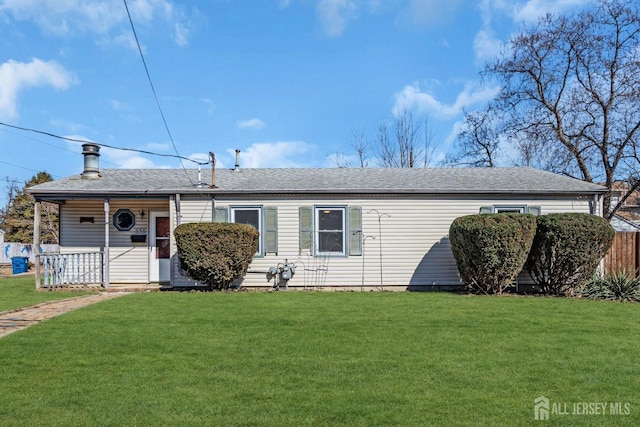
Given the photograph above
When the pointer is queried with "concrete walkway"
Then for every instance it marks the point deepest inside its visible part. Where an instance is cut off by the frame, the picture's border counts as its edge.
(15, 320)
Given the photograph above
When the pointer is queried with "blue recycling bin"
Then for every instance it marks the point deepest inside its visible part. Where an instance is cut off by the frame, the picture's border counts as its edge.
(20, 264)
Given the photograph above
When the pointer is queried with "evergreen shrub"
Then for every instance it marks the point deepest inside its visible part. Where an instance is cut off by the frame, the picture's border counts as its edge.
(567, 249)
(216, 253)
(491, 249)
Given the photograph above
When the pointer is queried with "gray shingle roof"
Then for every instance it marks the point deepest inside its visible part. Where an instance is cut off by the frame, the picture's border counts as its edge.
(326, 180)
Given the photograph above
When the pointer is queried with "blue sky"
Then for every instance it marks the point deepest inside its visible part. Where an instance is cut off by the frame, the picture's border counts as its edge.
(285, 81)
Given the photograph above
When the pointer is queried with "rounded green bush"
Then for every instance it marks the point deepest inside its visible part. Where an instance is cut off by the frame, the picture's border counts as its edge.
(491, 249)
(567, 249)
(216, 253)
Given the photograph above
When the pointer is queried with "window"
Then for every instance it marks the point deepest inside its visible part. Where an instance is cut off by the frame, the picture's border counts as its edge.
(163, 232)
(251, 216)
(509, 209)
(330, 230)
(124, 219)
(534, 210)
(264, 219)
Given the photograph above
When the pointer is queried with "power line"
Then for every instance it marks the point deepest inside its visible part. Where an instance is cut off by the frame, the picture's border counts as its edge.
(84, 141)
(155, 95)
(153, 89)
(56, 146)
(18, 166)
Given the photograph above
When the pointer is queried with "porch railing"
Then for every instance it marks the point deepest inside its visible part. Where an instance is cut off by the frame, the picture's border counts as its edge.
(81, 268)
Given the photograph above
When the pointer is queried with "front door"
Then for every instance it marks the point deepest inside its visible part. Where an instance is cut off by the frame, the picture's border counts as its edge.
(159, 247)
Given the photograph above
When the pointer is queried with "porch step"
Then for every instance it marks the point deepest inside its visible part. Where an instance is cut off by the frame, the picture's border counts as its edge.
(133, 288)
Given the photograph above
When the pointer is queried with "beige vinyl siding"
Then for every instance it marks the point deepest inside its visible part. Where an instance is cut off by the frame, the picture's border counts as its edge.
(413, 234)
(86, 234)
(129, 262)
(192, 209)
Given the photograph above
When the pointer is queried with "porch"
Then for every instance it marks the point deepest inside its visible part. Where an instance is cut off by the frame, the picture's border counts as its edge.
(70, 269)
(80, 270)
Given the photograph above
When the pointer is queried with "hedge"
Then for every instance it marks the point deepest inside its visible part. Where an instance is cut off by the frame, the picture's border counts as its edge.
(491, 249)
(216, 253)
(567, 249)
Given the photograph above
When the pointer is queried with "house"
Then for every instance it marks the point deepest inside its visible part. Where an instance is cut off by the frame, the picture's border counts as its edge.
(340, 228)
(630, 208)
(622, 224)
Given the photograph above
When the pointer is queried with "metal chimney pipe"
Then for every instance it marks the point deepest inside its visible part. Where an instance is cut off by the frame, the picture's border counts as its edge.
(212, 159)
(91, 153)
(237, 168)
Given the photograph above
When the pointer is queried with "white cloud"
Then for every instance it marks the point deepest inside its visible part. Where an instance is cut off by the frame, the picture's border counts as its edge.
(158, 146)
(73, 17)
(412, 98)
(199, 157)
(281, 154)
(118, 105)
(17, 76)
(210, 105)
(422, 13)
(485, 45)
(69, 126)
(62, 17)
(456, 128)
(181, 34)
(534, 9)
(124, 110)
(254, 123)
(111, 158)
(333, 15)
(127, 159)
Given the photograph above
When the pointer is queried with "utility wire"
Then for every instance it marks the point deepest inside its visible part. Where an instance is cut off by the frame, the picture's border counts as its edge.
(153, 89)
(84, 141)
(164, 120)
(18, 166)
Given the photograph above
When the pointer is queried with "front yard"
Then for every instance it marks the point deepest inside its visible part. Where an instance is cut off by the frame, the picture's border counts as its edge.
(323, 359)
(20, 291)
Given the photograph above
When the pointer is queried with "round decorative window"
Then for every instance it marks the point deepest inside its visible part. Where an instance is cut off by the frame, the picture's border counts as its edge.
(124, 219)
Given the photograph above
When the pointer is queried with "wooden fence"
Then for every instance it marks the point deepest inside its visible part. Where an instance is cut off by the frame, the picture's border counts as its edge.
(624, 254)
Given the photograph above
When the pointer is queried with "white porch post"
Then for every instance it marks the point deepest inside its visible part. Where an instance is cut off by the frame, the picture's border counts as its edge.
(36, 240)
(106, 243)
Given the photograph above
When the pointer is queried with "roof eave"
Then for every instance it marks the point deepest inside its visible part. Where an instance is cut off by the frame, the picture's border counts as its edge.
(57, 194)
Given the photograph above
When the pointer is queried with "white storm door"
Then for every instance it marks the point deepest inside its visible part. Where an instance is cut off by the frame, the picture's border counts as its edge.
(159, 247)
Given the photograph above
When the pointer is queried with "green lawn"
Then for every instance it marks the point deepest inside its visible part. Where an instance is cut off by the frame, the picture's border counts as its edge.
(298, 359)
(17, 292)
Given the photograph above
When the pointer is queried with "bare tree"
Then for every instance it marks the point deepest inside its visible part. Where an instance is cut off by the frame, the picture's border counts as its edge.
(570, 94)
(360, 145)
(429, 147)
(403, 142)
(404, 149)
(478, 142)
